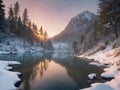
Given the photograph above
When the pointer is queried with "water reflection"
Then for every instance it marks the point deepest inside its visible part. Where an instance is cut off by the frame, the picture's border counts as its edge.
(40, 68)
(53, 71)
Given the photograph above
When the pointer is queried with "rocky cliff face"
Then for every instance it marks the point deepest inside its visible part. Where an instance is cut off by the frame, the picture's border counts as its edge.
(82, 29)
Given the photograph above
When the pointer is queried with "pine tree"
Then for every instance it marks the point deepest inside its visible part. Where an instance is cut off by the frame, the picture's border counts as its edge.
(29, 24)
(45, 36)
(109, 15)
(11, 22)
(25, 17)
(41, 30)
(16, 10)
(10, 14)
(33, 26)
(49, 44)
(2, 16)
(19, 23)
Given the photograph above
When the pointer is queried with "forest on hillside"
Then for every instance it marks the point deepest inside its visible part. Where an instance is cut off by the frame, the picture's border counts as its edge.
(14, 24)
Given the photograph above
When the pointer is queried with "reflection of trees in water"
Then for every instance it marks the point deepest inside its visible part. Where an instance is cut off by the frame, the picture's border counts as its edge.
(30, 65)
(40, 68)
(78, 70)
(36, 65)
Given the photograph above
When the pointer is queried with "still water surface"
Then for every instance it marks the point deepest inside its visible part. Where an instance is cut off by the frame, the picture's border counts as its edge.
(53, 71)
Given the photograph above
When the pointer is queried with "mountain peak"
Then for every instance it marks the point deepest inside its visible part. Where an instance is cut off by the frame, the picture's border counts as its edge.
(87, 12)
(88, 15)
(85, 15)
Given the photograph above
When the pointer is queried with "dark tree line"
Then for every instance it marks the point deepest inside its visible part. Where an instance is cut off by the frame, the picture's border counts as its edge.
(108, 22)
(2, 16)
(21, 26)
(109, 16)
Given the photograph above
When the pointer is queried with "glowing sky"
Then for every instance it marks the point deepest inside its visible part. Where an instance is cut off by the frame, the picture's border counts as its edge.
(54, 15)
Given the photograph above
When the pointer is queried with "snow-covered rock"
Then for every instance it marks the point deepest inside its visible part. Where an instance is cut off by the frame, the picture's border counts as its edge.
(97, 64)
(92, 76)
(8, 78)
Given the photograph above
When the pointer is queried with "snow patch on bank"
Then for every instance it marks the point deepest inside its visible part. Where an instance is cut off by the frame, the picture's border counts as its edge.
(8, 78)
(110, 72)
(109, 56)
(99, 86)
(15, 45)
(96, 64)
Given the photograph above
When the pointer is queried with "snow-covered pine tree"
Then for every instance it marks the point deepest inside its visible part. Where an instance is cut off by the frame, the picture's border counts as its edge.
(109, 15)
(2, 16)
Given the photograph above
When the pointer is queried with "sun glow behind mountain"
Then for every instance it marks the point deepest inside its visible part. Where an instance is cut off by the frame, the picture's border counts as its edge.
(53, 15)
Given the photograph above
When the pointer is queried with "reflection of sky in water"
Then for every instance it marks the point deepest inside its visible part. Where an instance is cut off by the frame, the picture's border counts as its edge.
(52, 71)
(54, 77)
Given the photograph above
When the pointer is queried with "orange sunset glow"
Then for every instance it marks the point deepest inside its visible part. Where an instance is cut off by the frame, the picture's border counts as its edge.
(59, 45)
(53, 15)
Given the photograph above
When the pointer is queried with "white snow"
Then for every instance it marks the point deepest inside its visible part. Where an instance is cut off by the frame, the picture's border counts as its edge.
(87, 15)
(110, 72)
(15, 45)
(115, 83)
(92, 76)
(97, 64)
(4, 52)
(60, 55)
(99, 86)
(8, 78)
(61, 47)
(111, 57)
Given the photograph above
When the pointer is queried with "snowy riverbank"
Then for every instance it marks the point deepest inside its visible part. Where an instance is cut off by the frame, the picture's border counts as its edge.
(111, 58)
(8, 78)
(15, 45)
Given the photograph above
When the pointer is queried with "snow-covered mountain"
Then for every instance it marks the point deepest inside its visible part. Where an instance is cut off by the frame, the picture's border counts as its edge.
(82, 29)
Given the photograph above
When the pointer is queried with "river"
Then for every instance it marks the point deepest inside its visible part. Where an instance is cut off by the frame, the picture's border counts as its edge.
(52, 71)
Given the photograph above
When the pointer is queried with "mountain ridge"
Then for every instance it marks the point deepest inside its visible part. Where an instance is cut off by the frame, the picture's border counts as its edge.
(81, 28)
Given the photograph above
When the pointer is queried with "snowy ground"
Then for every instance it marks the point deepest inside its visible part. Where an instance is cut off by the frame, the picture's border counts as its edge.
(61, 47)
(8, 78)
(111, 57)
(15, 45)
